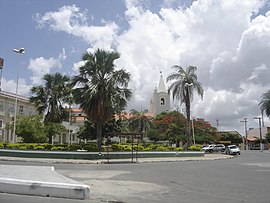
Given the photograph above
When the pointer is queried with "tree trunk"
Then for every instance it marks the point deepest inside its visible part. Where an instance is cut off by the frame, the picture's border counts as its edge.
(99, 136)
(188, 119)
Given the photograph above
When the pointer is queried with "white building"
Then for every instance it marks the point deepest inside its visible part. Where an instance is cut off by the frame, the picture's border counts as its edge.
(160, 101)
(7, 109)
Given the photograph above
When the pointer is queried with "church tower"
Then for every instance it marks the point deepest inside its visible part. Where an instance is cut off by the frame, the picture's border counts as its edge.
(160, 101)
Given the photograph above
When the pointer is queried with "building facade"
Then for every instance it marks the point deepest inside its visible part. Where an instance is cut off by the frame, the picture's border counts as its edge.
(253, 137)
(160, 102)
(7, 110)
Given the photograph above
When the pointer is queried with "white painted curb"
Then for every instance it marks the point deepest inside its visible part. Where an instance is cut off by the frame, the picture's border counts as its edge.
(45, 189)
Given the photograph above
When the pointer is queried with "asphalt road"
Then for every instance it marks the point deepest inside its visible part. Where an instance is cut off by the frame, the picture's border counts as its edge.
(244, 178)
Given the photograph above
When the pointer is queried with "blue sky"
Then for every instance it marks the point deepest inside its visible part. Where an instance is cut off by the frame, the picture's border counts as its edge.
(227, 40)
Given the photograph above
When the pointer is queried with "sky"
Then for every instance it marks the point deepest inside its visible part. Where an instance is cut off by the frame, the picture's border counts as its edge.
(227, 40)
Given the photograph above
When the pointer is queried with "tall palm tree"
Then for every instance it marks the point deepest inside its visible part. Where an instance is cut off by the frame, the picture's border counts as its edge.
(100, 89)
(50, 98)
(139, 121)
(184, 82)
(265, 103)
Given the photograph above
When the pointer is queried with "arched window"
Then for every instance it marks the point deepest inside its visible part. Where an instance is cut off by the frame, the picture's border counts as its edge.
(162, 101)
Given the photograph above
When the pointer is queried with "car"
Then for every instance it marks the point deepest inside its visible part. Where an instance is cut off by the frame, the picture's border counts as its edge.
(219, 148)
(209, 148)
(214, 148)
(232, 150)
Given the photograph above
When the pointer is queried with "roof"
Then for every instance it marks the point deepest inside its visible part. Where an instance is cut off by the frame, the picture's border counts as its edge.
(252, 139)
(13, 96)
(161, 85)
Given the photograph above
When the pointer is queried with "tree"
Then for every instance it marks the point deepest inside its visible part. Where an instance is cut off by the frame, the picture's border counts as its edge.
(184, 82)
(52, 129)
(267, 137)
(31, 129)
(204, 132)
(139, 121)
(100, 89)
(265, 103)
(167, 126)
(89, 130)
(50, 98)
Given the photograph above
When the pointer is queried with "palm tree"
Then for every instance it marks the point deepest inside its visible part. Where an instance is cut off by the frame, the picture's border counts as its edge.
(182, 88)
(139, 121)
(265, 103)
(50, 98)
(100, 90)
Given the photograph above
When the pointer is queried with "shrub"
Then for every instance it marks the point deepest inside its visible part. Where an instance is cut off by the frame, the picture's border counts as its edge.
(22, 147)
(162, 148)
(90, 147)
(195, 148)
(74, 147)
(39, 147)
(57, 148)
(179, 149)
(2, 145)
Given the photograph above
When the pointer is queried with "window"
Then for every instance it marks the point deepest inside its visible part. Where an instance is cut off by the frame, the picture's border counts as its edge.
(11, 108)
(162, 101)
(21, 109)
(1, 106)
(1, 124)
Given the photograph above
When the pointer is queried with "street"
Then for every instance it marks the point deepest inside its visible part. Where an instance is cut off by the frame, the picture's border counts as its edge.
(244, 178)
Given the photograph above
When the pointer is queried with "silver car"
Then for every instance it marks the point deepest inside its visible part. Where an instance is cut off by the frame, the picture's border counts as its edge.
(232, 150)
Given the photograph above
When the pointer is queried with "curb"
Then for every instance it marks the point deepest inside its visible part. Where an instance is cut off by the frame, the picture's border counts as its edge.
(206, 157)
(18, 180)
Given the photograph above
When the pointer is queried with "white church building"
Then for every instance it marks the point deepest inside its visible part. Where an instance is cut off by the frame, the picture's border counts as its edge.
(160, 101)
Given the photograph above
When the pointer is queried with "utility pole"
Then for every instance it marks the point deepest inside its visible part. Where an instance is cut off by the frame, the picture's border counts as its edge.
(262, 119)
(217, 123)
(260, 127)
(246, 141)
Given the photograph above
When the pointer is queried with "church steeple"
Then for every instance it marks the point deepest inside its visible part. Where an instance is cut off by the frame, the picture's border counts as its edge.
(161, 85)
(160, 101)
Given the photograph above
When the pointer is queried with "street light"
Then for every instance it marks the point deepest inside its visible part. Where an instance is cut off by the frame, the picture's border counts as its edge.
(20, 52)
(260, 126)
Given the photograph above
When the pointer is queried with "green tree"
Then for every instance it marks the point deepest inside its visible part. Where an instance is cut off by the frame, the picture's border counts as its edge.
(52, 129)
(267, 137)
(139, 121)
(184, 82)
(89, 130)
(265, 103)
(50, 98)
(204, 132)
(170, 127)
(31, 129)
(101, 90)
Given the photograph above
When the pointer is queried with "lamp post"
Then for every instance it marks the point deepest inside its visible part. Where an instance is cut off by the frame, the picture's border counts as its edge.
(20, 52)
(246, 142)
(260, 127)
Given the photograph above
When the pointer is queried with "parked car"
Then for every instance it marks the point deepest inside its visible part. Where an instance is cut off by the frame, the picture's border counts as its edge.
(219, 148)
(214, 148)
(209, 148)
(232, 150)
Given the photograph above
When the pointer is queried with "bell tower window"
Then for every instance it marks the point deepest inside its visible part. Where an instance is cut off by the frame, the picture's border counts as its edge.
(162, 101)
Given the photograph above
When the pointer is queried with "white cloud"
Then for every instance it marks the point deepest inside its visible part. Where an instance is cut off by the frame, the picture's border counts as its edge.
(41, 66)
(10, 86)
(71, 20)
